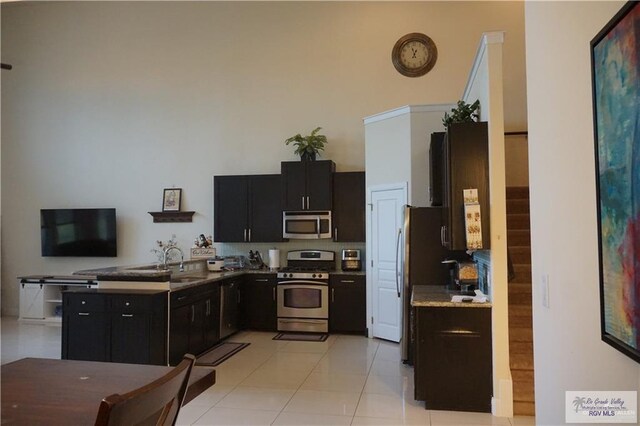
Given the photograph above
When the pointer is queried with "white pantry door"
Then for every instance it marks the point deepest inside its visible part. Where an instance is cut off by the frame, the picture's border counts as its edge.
(387, 210)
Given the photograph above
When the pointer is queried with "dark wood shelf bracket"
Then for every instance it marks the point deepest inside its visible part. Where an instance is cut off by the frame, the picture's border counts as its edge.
(172, 217)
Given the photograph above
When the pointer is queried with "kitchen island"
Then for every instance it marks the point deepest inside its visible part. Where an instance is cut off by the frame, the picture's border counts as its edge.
(452, 364)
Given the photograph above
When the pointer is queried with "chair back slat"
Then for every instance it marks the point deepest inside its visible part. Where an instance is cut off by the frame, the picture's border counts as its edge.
(156, 403)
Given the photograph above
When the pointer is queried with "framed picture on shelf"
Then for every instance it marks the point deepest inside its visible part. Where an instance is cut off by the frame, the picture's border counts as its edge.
(171, 200)
(615, 81)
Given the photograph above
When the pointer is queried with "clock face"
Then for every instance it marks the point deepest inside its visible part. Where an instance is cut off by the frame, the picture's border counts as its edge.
(414, 55)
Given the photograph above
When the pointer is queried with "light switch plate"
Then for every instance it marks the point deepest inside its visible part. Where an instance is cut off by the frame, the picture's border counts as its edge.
(544, 284)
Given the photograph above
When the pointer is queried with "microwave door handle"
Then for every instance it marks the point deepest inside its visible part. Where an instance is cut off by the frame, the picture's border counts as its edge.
(318, 225)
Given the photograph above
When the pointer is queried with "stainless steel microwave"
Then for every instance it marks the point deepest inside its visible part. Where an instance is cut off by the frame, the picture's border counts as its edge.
(306, 225)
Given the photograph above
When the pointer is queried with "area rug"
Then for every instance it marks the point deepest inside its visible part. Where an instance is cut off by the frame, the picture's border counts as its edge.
(302, 337)
(220, 353)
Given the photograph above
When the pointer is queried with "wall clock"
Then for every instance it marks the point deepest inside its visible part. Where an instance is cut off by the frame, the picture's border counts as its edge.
(414, 55)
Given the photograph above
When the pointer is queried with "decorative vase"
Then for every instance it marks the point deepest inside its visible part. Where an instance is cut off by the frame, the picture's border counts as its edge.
(308, 156)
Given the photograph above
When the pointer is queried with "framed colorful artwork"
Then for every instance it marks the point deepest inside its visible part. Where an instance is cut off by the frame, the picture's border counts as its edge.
(615, 62)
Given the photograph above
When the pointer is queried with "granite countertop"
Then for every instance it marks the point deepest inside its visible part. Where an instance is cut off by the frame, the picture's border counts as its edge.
(153, 273)
(439, 296)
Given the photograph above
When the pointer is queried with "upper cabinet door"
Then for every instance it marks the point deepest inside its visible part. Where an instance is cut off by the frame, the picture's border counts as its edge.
(320, 184)
(265, 208)
(231, 210)
(293, 185)
(307, 185)
(466, 161)
(349, 206)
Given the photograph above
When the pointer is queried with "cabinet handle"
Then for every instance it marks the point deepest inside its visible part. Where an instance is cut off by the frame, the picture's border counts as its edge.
(333, 295)
(207, 304)
(302, 203)
(83, 314)
(307, 202)
(335, 234)
(181, 298)
(347, 281)
(245, 235)
(274, 294)
(127, 315)
(249, 234)
(193, 313)
(262, 280)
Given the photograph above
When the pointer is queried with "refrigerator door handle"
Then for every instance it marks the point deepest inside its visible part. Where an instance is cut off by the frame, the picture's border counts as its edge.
(397, 254)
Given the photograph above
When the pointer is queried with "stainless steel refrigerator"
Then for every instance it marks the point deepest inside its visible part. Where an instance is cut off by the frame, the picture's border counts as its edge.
(423, 255)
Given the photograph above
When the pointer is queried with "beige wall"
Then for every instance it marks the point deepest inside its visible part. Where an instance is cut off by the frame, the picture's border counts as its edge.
(110, 102)
(569, 354)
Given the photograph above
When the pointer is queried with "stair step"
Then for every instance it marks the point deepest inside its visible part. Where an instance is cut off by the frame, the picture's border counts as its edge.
(521, 355)
(517, 192)
(520, 255)
(518, 221)
(520, 316)
(518, 237)
(524, 408)
(517, 206)
(519, 294)
(523, 385)
(523, 274)
(520, 334)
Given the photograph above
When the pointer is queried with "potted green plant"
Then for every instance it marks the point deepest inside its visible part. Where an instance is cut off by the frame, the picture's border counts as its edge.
(463, 113)
(307, 147)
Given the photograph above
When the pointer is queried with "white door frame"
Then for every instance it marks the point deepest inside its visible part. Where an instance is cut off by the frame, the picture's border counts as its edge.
(369, 253)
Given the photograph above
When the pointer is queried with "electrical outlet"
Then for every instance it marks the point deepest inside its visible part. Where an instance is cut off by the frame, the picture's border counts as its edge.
(544, 286)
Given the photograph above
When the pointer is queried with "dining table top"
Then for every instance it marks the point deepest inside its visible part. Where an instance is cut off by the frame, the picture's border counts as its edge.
(68, 392)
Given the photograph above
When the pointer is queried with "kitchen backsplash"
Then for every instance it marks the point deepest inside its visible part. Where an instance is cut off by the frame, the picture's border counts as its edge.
(230, 249)
(483, 259)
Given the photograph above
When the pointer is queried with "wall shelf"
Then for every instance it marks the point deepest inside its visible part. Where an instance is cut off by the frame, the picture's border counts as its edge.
(164, 217)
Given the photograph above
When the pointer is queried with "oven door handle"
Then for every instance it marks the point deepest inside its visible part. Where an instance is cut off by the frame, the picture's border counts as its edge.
(302, 282)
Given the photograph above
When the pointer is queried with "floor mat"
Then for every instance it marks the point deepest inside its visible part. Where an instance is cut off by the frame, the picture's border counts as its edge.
(302, 337)
(220, 353)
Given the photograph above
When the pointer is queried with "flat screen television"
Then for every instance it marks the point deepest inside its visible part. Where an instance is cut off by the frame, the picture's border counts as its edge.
(78, 232)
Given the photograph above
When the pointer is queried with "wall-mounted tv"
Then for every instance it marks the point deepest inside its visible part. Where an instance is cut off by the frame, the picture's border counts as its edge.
(78, 232)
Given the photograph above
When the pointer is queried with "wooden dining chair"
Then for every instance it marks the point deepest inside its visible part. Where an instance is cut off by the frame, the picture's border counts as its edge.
(156, 403)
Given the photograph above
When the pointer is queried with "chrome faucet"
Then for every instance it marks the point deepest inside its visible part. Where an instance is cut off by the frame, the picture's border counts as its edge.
(166, 252)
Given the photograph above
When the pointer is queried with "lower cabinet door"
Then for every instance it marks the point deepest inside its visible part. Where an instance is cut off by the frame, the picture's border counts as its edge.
(180, 323)
(212, 319)
(259, 309)
(86, 336)
(347, 304)
(130, 334)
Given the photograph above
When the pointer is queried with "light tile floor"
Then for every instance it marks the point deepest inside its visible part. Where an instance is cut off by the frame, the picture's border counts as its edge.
(347, 380)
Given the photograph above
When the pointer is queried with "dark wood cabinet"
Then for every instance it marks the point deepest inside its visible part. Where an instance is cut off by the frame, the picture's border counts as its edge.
(452, 366)
(349, 200)
(117, 327)
(307, 185)
(465, 166)
(194, 322)
(247, 208)
(347, 303)
(258, 305)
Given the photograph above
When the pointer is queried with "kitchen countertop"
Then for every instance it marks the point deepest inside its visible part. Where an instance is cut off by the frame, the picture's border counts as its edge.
(439, 296)
(150, 273)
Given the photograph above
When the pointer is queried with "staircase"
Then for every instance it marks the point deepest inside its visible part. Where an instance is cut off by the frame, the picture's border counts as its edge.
(520, 321)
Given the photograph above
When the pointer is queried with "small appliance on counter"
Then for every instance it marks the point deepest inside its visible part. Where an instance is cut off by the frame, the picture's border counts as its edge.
(215, 264)
(467, 276)
(232, 263)
(255, 260)
(351, 260)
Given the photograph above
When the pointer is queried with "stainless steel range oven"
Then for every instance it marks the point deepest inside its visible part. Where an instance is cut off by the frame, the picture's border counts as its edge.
(303, 291)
